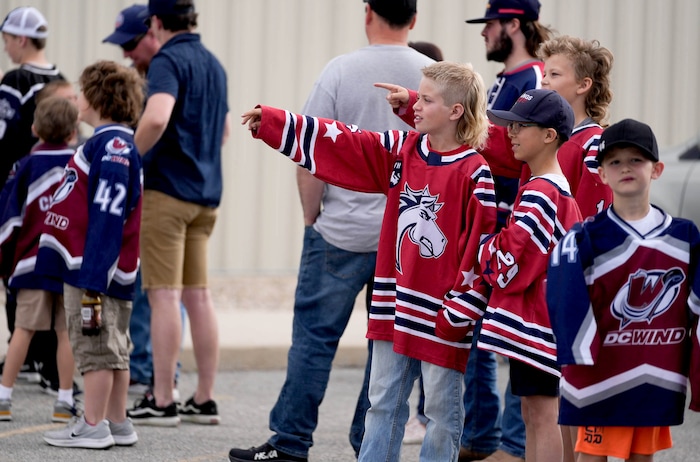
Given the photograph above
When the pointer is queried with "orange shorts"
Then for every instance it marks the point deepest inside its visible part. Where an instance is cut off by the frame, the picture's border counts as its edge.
(621, 442)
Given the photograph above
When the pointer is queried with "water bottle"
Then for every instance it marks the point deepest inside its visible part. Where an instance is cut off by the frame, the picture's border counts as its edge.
(91, 312)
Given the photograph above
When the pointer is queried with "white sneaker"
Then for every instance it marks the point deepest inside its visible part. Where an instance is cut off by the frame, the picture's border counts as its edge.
(123, 433)
(414, 431)
(79, 434)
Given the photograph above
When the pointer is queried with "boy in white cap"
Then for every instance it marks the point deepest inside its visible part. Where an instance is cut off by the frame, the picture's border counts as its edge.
(24, 32)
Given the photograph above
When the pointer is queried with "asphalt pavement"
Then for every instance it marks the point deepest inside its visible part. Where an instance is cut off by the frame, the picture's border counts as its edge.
(245, 398)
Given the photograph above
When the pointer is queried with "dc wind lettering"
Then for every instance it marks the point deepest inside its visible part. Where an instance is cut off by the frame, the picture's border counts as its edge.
(417, 220)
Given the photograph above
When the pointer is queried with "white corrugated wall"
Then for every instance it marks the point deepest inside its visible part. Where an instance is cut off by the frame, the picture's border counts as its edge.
(274, 49)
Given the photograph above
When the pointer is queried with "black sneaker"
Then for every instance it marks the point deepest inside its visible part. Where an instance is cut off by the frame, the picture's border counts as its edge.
(264, 452)
(205, 413)
(51, 388)
(146, 412)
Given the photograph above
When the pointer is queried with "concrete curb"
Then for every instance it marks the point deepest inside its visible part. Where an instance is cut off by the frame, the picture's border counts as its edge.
(270, 358)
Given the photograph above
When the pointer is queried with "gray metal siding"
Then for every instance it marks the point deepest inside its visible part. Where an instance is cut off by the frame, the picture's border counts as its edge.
(274, 49)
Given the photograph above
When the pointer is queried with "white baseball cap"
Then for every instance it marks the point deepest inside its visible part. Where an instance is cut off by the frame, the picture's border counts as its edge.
(25, 21)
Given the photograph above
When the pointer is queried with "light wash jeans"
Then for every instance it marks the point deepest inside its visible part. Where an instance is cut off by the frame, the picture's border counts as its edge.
(391, 381)
(485, 428)
(329, 281)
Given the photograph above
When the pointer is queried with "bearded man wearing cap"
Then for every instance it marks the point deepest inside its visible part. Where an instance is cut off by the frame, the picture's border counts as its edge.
(512, 33)
(24, 32)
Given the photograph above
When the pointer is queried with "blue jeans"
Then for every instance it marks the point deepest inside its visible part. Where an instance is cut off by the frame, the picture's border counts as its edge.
(141, 357)
(392, 379)
(329, 281)
(357, 428)
(485, 429)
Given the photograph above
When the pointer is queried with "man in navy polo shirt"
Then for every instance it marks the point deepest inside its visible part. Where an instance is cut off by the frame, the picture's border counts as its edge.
(180, 135)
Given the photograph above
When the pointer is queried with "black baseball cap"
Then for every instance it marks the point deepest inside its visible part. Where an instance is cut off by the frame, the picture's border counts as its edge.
(629, 132)
(394, 11)
(505, 9)
(543, 107)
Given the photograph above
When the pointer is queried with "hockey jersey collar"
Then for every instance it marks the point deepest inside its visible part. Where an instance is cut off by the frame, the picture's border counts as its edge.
(434, 158)
(633, 232)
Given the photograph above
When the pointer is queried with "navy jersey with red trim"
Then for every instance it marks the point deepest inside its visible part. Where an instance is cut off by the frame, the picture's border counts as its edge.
(577, 158)
(504, 92)
(17, 104)
(439, 205)
(514, 262)
(24, 201)
(91, 232)
(623, 306)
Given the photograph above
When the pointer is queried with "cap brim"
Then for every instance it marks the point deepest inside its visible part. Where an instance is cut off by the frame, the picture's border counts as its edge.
(489, 18)
(119, 38)
(623, 143)
(503, 118)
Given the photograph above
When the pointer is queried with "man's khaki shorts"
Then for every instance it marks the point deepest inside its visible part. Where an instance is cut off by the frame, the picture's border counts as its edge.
(109, 350)
(37, 308)
(174, 242)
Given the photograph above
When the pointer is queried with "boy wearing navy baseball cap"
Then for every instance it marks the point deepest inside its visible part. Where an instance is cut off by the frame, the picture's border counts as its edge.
(632, 269)
(514, 263)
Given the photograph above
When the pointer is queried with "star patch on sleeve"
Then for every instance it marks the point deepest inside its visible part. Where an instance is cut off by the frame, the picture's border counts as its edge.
(332, 131)
(469, 277)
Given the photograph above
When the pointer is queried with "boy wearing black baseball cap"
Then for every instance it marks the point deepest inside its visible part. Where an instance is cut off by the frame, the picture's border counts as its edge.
(514, 263)
(630, 271)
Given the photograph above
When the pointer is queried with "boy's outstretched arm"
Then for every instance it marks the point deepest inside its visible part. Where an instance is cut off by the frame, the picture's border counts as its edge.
(252, 118)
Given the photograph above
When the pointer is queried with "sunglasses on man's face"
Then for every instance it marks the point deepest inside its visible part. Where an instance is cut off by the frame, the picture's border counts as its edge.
(133, 43)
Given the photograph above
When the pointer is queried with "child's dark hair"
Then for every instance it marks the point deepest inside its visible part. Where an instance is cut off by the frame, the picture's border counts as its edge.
(429, 49)
(55, 120)
(114, 91)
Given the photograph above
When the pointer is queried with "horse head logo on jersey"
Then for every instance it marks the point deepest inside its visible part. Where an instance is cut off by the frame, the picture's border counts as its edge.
(647, 295)
(70, 177)
(417, 215)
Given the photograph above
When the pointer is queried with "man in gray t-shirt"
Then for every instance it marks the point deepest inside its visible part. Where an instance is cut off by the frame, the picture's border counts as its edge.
(342, 229)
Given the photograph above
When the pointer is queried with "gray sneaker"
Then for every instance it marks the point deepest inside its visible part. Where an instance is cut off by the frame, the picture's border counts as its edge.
(123, 433)
(64, 412)
(5, 412)
(78, 434)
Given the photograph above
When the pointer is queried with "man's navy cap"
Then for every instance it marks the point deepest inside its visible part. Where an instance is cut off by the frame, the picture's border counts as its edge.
(545, 108)
(130, 23)
(506, 9)
(394, 11)
(170, 7)
(628, 132)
